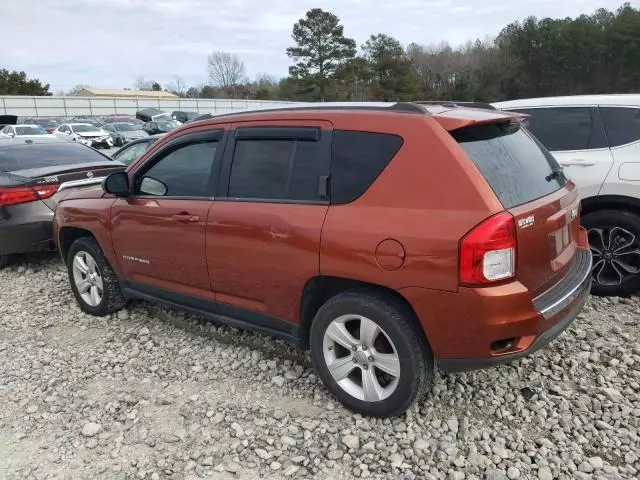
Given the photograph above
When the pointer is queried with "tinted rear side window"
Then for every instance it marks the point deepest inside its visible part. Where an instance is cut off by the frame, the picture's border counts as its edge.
(24, 157)
(565, 128)
(273, 169)
(622, 124)
(260, 169)
(357, 160)
(516, 166)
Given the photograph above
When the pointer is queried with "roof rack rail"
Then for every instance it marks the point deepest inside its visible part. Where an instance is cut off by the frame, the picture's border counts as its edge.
(408, 107)
(454, 103)
(399, 107)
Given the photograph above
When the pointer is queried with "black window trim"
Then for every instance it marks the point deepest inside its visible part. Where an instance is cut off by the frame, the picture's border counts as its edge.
(596, 122)
(599, 107)
(274, 132)
(218, 135)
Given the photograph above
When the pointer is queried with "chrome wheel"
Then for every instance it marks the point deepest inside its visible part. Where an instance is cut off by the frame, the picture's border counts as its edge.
(361, 358)
(616, 255)
(87, 279)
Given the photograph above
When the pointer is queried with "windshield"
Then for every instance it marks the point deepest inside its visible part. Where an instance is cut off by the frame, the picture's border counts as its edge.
(24, 157)
(30, 130)
(516, 166)
(125, 127)
(85, 129)
(166, 125)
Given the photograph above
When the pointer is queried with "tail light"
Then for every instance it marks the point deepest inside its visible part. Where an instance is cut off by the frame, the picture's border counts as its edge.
(22, 194)
(488, 252)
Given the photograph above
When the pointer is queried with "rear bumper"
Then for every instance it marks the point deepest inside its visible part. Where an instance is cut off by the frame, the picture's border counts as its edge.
(25, 227)
(485, 327)
(452, 365)
(26, 237)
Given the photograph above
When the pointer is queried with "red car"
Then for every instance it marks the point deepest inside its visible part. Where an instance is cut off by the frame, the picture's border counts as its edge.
(387, 239)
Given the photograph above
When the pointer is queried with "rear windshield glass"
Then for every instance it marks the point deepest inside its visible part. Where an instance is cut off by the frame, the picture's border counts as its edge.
(24, 157)
(516, 166)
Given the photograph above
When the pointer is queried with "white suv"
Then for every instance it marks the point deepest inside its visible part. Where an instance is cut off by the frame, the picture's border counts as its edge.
(596, 139)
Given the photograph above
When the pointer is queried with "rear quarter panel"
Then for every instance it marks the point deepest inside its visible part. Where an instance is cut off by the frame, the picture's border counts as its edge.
(426, 199)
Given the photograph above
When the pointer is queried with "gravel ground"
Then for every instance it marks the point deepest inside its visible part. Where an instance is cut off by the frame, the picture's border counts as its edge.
(154, 393)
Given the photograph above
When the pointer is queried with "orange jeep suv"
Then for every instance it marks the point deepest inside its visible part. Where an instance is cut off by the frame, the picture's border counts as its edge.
(387, 238)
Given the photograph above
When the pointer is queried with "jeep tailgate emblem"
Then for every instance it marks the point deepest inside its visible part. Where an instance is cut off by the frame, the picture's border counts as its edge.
(526, 222)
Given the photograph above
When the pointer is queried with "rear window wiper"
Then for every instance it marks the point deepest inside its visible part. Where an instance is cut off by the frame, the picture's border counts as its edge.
(555, 173)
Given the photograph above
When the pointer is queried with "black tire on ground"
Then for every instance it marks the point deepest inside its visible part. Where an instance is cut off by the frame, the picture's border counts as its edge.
(112, 297)
(611, 257)
(398, 323)
(4, 260)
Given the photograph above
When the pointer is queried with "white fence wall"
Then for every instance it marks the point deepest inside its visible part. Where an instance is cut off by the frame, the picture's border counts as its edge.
(24, 106)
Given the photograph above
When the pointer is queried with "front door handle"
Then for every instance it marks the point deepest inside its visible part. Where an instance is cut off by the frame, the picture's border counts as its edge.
(581, 162)
(186, 218)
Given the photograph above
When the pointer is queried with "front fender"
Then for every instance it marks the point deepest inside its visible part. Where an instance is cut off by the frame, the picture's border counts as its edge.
(75, 218)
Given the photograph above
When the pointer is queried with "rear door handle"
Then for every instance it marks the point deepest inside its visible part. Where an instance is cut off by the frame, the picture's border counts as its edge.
(581, 162)
(186, 218)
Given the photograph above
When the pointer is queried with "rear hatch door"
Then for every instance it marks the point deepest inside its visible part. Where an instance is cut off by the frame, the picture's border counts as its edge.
(533, 188)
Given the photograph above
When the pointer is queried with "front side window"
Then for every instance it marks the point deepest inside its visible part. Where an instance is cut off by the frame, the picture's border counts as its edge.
(184, 172)
(622, 124)
(564, 128)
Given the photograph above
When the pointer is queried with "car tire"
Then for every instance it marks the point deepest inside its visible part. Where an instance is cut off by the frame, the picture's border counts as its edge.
(370, 352)
(614, 238)
(93, 281)
(4, 260)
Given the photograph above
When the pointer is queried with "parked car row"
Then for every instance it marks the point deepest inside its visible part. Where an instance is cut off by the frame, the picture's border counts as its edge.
(389, 239)
(121, 128)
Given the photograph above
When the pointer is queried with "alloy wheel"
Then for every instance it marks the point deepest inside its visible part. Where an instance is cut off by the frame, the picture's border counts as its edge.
(88, 279)
(616, 255)
(361, 358)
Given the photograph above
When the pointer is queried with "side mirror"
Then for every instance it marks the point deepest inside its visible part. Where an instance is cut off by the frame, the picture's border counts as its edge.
(117, 184)
(151, 186)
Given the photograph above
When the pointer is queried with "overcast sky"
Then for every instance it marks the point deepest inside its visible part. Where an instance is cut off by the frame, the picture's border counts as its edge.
(109, 43)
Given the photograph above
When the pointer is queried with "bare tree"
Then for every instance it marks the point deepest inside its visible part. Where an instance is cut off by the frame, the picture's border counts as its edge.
(178, 86)
(77, 89)
(226, 70)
